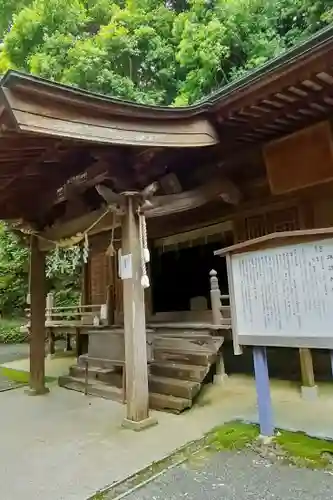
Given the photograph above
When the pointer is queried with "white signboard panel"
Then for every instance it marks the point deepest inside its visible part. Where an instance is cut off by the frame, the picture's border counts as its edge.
(284, 295)
(126, 266)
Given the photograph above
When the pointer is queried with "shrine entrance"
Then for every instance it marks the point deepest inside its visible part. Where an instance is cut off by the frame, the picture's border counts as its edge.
(180, 267)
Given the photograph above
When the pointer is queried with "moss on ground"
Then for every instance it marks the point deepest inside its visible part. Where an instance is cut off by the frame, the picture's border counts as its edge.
(233, 436)
(305, 451)
(292, 447)
(20, 376)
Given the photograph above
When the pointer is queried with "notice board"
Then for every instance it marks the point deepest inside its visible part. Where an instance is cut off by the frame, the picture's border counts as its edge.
(283, 295)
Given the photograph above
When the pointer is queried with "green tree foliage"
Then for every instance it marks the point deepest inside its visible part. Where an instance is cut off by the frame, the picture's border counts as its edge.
(13, 272)
(171, 52)
(63, 269)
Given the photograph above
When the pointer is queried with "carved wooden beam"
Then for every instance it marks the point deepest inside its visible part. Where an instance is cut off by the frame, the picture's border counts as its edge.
(93, 174)
(110, 196)
(158, 206)
(188, 200)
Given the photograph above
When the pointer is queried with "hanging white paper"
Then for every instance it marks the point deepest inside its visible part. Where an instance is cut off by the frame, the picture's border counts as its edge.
(126, 271)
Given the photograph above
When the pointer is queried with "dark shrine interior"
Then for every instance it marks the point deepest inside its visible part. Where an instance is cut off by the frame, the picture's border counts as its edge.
(179, 274)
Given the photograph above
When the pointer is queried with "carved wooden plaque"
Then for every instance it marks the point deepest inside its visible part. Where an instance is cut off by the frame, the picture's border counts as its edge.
(300, 160)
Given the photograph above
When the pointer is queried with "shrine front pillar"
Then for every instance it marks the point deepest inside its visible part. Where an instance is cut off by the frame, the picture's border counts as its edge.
(137, 394)
(37, 319)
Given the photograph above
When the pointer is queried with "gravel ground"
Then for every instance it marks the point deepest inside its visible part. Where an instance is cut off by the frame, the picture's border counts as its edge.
(237, 476)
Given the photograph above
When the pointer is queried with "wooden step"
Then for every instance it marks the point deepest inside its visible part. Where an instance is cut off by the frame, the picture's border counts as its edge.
(195, 343)
(183, 357)
(95, 388)
(104, 363)
(187, 389)
(182, 371)
(166, 402)
(112, 377)
(186, 326)
(100, 389)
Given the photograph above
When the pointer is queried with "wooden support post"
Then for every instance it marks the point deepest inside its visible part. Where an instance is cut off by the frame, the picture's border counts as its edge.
(68, 347)
(331, 360)
(38, 303)
(82, 340)
(215, 298)
(309, 389)
(137, 396)
(220, 375)
(50, 333)
(264, 402)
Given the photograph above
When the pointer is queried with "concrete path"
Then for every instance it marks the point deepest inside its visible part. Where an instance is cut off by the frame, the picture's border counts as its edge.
(65, 446)
(237, 476)
(9, 353)
(12, 352)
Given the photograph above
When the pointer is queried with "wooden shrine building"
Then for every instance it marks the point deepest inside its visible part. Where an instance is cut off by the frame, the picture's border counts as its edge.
(254, 158)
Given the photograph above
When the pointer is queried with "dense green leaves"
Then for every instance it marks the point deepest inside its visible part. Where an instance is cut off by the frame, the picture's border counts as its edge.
(13, 272)
(63, 270)
(152, 51)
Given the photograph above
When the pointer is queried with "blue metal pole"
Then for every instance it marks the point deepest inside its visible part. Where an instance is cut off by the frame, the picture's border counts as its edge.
(263, 391)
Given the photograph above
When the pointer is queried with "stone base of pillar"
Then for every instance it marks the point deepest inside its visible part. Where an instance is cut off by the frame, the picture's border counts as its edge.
(220, 379)
(139, 426)
(36, 392)
(309, 393)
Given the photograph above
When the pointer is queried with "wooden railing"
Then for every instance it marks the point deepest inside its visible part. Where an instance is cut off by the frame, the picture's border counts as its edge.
(219, 302)
(86, 314)
(72, 315)
(63, 322)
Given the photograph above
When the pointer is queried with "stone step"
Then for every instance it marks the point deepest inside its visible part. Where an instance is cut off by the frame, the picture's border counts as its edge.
(180, 371)
(174, 387)
(183, 357)
(112, 377)
(165, 402)
(95, 388)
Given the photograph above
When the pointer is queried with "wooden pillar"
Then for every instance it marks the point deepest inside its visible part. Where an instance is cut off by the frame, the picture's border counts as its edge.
(49, 330)
(215, 298)
(137, 396)
(37, 318)
(309, 389)
(82, 339)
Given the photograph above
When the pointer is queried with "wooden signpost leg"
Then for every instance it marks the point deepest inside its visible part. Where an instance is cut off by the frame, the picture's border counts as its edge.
(37, 318)
(309, 389)
(137, 396)
(331, 358)
(263, 392)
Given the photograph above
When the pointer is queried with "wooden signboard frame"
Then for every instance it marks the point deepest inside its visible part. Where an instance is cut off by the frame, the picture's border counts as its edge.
(297, 251)
(275, 247)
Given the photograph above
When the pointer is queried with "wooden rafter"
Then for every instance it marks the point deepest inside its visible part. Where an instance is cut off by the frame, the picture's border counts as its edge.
(33, 166)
